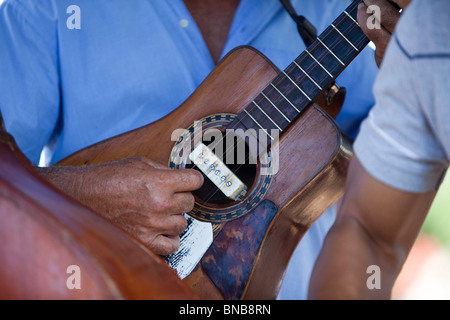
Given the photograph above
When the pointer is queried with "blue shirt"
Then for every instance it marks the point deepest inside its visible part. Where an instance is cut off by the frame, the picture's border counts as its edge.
(134, 61)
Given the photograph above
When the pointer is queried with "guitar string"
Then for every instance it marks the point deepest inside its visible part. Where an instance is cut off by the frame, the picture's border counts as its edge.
(253, 104)
(325, 34)
(359, 43)
(311, 48)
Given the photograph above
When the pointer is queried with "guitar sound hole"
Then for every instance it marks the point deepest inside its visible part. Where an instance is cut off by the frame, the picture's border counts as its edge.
(239, 162)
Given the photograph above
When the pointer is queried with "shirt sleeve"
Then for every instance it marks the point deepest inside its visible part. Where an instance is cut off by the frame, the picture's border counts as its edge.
(29, 82)
(404, 141)
(397, 144)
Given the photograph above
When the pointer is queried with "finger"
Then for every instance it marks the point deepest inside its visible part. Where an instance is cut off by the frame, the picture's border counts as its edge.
(180, 180)
(165, 245)
(159, 235)
(378, 35)
(147, 227)
(384, 12)
(182, 202)
(173, 225)
(184, 180)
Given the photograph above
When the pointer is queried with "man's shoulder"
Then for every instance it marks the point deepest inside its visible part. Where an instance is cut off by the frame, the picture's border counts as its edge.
(424, 30)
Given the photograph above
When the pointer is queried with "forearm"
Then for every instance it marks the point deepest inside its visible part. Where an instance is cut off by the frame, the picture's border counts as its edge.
(92, 186)
(376, 225)
(105, 189)
(344, 267)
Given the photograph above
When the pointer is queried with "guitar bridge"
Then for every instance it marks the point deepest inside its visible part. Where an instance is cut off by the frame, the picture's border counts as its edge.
(218, 172)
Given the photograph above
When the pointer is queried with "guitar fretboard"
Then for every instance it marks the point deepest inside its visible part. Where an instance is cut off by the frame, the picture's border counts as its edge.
(283, 100)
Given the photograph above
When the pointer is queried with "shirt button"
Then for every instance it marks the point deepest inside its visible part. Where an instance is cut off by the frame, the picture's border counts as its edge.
(184, 23)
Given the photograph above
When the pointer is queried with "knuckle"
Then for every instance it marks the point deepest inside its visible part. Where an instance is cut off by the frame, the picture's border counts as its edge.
(162, 180)
(187, 203)
(160, 205)
(190, 202)
(191, 177)
(194, 179)
(182, 225)
(174, 244)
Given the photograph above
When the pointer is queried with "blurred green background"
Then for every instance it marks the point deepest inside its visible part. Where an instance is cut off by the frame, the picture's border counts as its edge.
(437, 222)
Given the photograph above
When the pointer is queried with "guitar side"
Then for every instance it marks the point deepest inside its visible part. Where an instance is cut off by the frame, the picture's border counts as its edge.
(313, 158)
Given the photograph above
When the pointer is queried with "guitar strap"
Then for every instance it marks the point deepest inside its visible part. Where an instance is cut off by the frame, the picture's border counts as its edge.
(2, 124)
(305, 28)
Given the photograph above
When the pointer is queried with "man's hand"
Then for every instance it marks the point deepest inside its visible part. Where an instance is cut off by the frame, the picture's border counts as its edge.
(141, 196)
(387, 21)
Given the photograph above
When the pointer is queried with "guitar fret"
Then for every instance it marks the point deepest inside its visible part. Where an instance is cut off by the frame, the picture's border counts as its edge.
(273, 105)
(287, 76)
(260, 109)
(254, 120)
(342, 35)
(341, 49)
(350, 16)
(330, 51)
(284, 97)
(309, 77)
(317, 61)
(312, 71)
(348, 22)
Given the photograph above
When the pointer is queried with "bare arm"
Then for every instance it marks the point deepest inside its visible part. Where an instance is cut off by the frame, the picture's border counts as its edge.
(141, 196)
(375, 225)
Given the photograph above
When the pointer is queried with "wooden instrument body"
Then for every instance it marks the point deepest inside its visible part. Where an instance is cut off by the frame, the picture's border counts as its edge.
(312, 166)
(43, 232)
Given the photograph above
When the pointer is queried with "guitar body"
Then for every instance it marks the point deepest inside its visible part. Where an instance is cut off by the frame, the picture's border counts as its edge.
(49, 243)
(249, 254)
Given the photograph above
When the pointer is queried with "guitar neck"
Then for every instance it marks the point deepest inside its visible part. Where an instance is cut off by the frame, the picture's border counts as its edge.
(282, 101)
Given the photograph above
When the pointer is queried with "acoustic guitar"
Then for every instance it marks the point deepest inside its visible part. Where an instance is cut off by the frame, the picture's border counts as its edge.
(259, 208)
